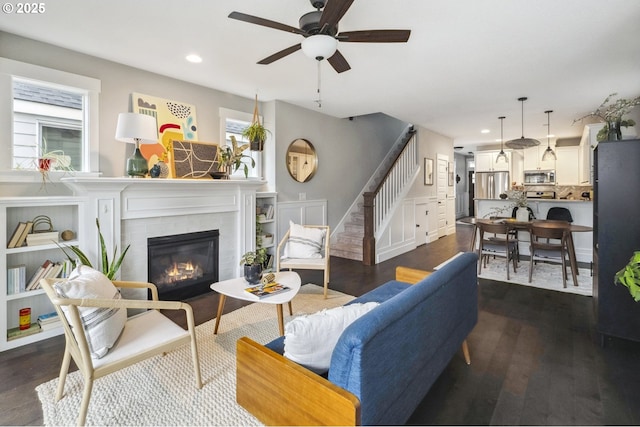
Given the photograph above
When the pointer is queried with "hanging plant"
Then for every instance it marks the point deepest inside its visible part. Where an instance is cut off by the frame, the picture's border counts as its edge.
(256, 133)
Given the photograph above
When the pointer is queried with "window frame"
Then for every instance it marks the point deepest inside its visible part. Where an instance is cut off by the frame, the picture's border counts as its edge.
(11, 70)
(227, 114)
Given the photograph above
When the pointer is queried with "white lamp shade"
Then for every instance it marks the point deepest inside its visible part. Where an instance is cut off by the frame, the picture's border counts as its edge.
(319, 46)
(134, 127)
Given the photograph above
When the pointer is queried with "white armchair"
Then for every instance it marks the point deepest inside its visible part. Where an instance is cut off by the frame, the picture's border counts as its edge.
(306, 248)
(143, 335)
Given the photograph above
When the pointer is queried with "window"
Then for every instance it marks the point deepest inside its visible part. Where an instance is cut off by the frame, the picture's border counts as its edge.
(47, 120)
(49, 111)
(233, 122)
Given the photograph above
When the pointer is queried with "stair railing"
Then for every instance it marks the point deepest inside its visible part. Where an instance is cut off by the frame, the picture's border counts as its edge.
(379, 203)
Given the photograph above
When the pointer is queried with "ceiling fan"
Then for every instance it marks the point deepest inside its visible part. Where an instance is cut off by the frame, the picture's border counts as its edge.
(320, 30)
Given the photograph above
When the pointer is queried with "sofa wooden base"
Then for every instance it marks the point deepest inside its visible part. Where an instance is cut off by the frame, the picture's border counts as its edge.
(268, 383)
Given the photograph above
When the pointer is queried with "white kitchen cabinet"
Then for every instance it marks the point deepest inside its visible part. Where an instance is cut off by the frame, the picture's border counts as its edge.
(568, 165)
(486, 161)
(65, 214)
(533, 159)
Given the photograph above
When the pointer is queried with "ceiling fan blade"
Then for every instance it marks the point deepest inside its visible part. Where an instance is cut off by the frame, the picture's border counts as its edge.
(281, 54)
(333, 12)
(265, 23)
(375, 36)
(338, 62)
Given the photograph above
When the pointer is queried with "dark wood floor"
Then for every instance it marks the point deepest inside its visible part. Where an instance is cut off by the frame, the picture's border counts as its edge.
(536, 358)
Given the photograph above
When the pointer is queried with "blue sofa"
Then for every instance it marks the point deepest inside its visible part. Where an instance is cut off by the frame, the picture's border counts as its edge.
(383, 364)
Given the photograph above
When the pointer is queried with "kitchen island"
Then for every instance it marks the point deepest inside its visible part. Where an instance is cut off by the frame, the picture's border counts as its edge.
(581, 211)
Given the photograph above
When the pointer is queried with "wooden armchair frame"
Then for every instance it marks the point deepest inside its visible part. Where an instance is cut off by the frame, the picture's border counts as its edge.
(306, 264)
(77, 347)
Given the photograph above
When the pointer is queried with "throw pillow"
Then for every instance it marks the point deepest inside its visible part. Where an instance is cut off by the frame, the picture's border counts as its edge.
(304, 242)
(310, 339)
(102, 326)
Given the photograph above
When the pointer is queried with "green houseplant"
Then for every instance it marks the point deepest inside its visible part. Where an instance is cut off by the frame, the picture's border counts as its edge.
(611, 113)
(629, 276)
(231, 157)
(109, 268)
(253, 262)
(256, 133)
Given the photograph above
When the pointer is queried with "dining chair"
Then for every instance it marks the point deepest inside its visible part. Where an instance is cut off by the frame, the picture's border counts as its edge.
(559, 213)
(553, 249)
(491, 245)
(99, 336)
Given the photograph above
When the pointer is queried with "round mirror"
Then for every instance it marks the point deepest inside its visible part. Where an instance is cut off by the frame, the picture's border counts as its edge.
(302, 161)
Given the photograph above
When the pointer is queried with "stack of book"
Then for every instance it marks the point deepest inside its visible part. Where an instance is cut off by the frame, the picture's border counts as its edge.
(43, 238)
(49, 321)
(20, 234)
(16, 332)
(16, 279)
(49, 270)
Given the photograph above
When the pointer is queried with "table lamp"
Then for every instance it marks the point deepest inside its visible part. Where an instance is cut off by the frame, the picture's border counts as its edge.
(137, 129)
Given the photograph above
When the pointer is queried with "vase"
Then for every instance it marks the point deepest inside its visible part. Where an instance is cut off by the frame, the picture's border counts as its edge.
(252, 273)
(614, 131)
(522, 214)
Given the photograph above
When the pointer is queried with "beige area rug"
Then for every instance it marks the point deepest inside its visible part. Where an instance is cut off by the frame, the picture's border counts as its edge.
(545, 276)
(161, 390)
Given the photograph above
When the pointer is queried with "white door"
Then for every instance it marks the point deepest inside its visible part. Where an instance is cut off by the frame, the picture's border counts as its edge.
(442, 196)
(422, 224)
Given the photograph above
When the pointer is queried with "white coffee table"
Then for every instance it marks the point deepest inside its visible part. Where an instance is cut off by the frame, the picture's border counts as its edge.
(235, 288)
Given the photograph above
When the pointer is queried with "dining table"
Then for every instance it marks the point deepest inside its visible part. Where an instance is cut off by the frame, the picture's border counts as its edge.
(513, 224)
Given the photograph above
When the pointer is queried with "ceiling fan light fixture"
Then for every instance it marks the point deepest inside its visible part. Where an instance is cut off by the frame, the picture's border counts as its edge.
(522, 142)
(319, 46)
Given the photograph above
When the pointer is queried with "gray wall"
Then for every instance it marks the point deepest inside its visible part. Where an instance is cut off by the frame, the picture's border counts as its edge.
(348, 151)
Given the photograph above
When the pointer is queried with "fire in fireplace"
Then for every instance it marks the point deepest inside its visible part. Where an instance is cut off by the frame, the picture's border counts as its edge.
(183, 265)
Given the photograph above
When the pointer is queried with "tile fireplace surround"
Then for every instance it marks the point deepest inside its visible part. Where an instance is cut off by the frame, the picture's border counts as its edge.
(131, 210)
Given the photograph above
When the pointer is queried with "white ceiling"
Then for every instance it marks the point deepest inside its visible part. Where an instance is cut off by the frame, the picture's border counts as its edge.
(466, 62)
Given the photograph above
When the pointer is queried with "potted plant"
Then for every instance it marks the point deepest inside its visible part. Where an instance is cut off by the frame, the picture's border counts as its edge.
(109, 268)
(229, 158)
(253, 262)
(629, 276)
(612, 114)
(256, 133)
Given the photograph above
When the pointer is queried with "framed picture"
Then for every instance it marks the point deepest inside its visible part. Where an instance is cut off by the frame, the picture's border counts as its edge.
(450, 173)
(428, 171)
(193, 159)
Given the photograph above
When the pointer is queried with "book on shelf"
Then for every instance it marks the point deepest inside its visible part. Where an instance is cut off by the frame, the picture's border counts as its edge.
(25, 233)
(13, 241)
(39, 274)
(16, 332)
(267, 290)
(16, 278)
(269, 213)
(48, 317)
(50, 325)
(42, 238)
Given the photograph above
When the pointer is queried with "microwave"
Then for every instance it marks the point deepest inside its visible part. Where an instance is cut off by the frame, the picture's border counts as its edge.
(540, 177)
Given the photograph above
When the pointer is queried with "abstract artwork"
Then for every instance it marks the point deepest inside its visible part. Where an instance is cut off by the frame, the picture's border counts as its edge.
(175, 121)
(193, 159)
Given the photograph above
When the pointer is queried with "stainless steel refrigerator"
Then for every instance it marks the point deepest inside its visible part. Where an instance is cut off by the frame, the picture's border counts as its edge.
(489, 185)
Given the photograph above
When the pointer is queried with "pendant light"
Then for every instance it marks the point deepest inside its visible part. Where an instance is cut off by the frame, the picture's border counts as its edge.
(522, 142)
(548, 153)
(502, 156)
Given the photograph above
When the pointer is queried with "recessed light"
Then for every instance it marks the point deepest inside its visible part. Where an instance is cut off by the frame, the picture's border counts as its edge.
(196, 59)
(485, 131)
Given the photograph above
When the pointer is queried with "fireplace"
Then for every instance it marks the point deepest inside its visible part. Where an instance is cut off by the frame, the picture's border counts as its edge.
(183, 265)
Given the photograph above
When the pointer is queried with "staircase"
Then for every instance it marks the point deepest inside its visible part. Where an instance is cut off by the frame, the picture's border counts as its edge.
(348, 243)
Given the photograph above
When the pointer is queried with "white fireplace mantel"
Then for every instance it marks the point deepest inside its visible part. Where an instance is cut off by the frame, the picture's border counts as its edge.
(130, 210)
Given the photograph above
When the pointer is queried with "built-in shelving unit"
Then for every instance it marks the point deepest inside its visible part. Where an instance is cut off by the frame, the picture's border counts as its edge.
(266, 209)
(65, 214)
